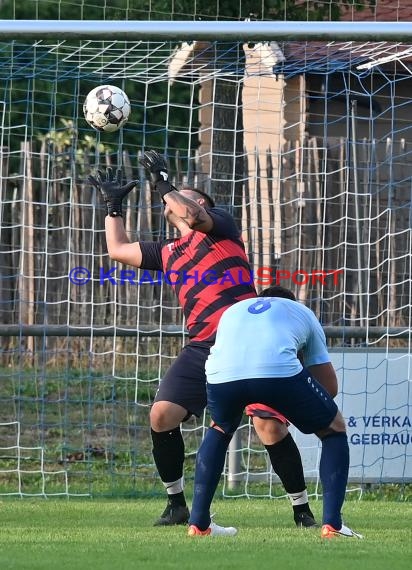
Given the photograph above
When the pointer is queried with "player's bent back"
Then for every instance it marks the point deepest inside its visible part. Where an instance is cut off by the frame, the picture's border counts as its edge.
(255, 340)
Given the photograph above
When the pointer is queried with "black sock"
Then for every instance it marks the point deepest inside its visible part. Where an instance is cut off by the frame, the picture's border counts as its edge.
(302, 509)
(177, 499)
(169, 455)
(287, 464)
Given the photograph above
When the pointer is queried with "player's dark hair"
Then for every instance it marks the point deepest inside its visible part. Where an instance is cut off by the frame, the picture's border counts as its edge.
(278, 291)
(209, 200)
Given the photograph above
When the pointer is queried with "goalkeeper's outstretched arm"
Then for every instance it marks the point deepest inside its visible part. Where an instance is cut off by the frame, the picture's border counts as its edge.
(113, 192)
(182, 206)
(189, 210)
(119, 246)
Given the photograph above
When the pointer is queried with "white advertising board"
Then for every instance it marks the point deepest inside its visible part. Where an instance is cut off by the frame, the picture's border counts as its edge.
(375, 396)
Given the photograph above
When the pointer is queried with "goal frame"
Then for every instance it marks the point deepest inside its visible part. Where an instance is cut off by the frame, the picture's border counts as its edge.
(238, 31)
(205, 30)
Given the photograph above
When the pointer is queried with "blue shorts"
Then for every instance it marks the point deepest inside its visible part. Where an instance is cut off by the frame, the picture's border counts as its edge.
(185, 383)
(301, 399)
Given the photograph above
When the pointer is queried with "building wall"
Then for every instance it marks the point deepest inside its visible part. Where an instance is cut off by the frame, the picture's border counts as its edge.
(273, 113)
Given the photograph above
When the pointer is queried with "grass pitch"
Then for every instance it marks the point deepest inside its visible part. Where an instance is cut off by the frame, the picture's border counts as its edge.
(37, 534)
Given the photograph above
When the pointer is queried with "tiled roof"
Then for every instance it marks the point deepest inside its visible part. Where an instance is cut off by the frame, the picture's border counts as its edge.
(328, 56)
(313, 56)
(384, 11)
(319, 55)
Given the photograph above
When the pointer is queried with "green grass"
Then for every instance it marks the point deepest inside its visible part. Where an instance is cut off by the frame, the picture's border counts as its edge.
(118, 535)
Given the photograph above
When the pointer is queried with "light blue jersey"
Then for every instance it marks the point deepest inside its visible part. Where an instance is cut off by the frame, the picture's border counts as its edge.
(260, 338)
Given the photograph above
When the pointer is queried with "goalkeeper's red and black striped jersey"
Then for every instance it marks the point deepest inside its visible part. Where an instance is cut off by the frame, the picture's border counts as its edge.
(209, 272)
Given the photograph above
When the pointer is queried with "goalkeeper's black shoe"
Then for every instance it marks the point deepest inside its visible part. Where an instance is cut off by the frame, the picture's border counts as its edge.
(305, 520)
(172, 515)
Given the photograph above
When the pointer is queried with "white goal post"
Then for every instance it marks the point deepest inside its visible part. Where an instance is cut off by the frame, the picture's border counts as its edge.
(302, 130)
(151, 30)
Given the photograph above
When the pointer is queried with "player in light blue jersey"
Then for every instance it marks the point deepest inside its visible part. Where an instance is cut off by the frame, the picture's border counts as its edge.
(257, 357)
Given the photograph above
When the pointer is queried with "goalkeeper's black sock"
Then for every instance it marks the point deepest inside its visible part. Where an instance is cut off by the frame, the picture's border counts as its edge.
(177, 499)
(304, 508)
(287, 464)
(169, 455)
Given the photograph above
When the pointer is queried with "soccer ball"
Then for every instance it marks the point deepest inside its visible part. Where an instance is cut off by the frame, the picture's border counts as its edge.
(106, 108)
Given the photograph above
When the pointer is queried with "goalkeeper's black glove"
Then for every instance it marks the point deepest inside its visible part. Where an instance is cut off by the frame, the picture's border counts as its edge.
(156, 165)
(112, 189)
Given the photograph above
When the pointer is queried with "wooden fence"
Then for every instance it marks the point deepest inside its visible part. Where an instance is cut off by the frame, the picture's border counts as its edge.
(349, 207)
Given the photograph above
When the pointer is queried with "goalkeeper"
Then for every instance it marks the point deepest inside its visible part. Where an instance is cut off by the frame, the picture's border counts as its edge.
(209, 240)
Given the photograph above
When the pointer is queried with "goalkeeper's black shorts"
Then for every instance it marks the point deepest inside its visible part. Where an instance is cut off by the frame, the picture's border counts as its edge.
(185, 381)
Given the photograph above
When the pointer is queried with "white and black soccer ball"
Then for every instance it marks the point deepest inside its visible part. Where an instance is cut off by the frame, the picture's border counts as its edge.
(106, 108)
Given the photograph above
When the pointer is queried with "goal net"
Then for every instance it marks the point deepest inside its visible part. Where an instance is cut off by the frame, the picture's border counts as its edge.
(308, 144)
